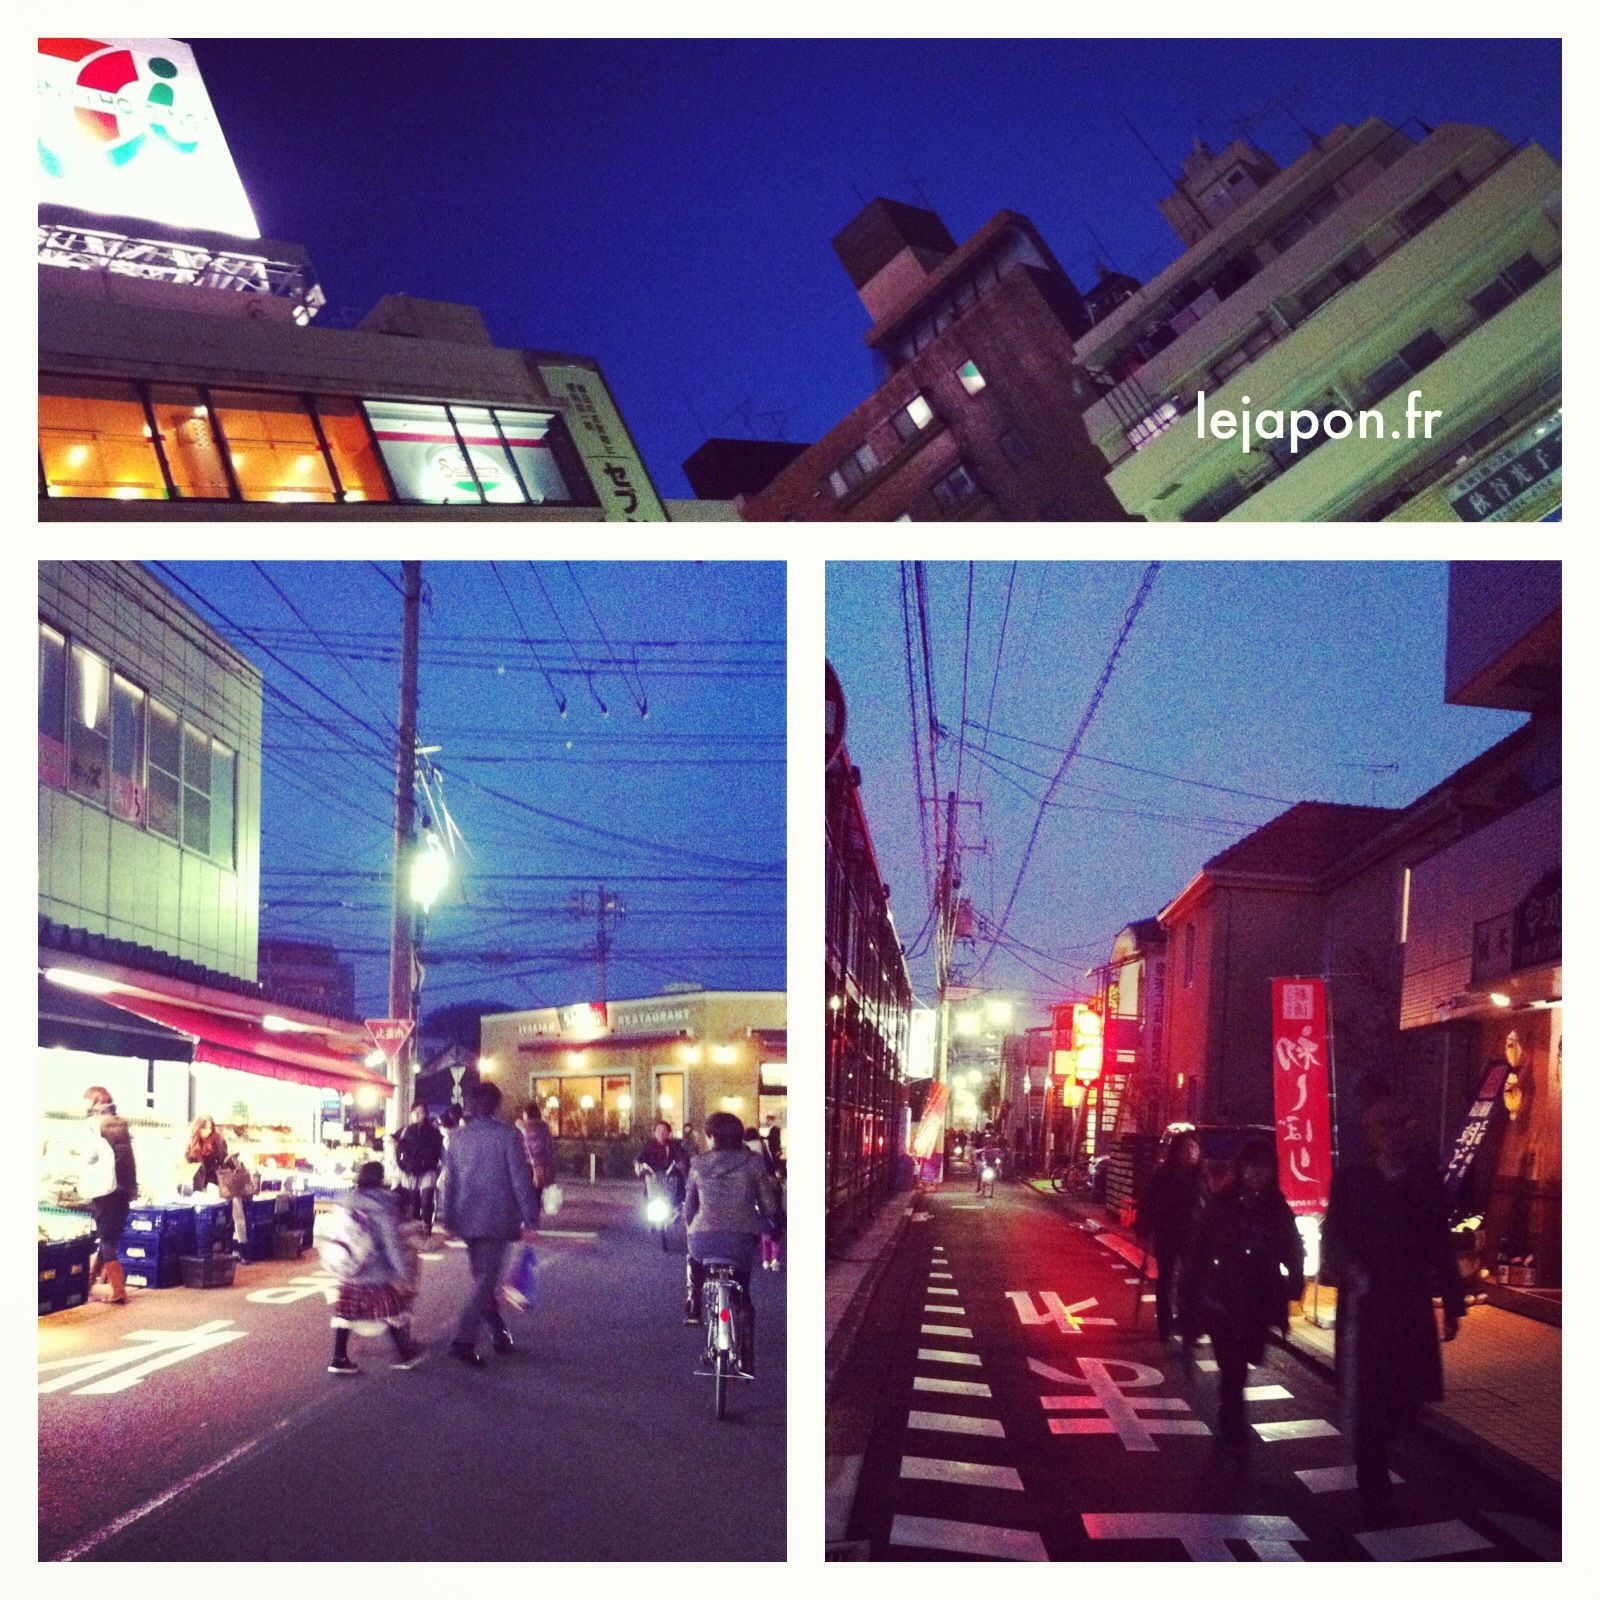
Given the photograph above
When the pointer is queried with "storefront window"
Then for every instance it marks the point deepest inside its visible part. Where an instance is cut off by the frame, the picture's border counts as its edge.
(619, 1107)
(273, 447)
(196, 790)
(582, 1113)
(89, 732)
(494, 471)
(531, 436)
(669, 1101)
(127, 751)
(547, 1091)
(222, 771)
(164, 757)
(424, 457)
(349, 442)
(52, 707)
(194, 458)
(94, 442)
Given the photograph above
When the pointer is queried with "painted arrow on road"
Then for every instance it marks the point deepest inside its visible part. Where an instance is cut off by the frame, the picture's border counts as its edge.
(151, 1352)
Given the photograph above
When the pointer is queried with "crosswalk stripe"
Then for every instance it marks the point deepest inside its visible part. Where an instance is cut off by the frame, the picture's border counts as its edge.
(943, 1311)
(1425, 1542)
(949, 1277)
(967, 1538)
(1206, 1365)
(949, 1422)
(954, 1358)
(951, 1292)
(970, 1473)
(979, 1391)
(1267, 1391)
(1325, 1480)
(1306, 1428)
(946, 1332)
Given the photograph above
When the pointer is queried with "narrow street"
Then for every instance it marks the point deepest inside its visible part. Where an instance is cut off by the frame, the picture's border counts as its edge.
(203, 1425)
(1007, 1398)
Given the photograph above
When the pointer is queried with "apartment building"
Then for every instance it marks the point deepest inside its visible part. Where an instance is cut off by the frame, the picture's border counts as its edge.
(1383, 260)
(977, 415)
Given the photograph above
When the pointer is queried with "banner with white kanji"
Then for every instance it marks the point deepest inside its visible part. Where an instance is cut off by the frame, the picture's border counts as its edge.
(1300, 1092)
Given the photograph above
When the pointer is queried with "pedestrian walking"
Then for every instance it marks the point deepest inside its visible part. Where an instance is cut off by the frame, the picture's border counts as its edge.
(1169, 1210)
(540, 1146)
(1244, 1267)
(419, 1154)
(362, 1246)
(487, 1198)
(730, 1198)
(109, 1182)
(1387, 1241)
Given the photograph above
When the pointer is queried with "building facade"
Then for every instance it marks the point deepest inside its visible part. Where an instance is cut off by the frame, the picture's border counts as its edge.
(978, 415)
(869, 1014)
(608, 1070)
(310, 974)
(1383, 260)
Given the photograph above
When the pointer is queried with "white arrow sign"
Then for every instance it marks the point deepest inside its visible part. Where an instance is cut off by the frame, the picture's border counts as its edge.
(151, 1352)
(1055, 1313)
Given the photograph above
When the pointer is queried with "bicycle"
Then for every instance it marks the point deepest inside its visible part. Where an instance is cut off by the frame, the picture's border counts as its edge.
(729, 1334)
(1071, 1177)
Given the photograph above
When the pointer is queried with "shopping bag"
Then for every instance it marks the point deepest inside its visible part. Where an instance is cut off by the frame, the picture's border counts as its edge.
(521, 1286)
(552, 1199)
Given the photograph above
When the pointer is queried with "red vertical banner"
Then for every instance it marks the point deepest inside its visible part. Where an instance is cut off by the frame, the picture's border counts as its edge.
(1300, 1091)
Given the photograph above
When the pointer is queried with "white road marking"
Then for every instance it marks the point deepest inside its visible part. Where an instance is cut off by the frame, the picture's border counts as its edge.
(951, 1292)
(951, 1332)
(297, 1289)
(1306, 1428)
(563, 1233)
(1203, 1535)
(967, 1538)
(422, 1255)
(979, 1391)
(456, 1244)
(1325, 1480)
(954, 1358)
(1267, 1391)
(152, 1351)
(943, 1311)
(1055, 1312)
(949, 1277)
(1122, 1412)
(1206, 1365)
(1426, 1542)
(949, 1422)
(970, 1473)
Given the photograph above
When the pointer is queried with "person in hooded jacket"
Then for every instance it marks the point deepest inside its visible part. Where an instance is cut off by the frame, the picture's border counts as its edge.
(1168, 1214)
(1245, 1265)
(114, 1186)
(382, 1287)
(730, 1196)
(419, 1154)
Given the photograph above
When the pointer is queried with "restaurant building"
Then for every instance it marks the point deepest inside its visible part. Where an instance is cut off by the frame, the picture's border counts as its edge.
(1383, 260)
(149, 864)
(606, 1071)
(869, 1008)
(187, 368)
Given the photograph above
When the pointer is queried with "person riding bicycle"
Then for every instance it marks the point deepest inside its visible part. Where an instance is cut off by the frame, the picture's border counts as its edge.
(730, 1195)
(664, 1163)
(986, 1153)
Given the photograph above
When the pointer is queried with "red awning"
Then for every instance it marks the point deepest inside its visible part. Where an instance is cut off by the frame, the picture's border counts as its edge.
(247, 1046)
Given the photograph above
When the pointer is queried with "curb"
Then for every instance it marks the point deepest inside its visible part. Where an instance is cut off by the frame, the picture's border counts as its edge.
(841, 1341)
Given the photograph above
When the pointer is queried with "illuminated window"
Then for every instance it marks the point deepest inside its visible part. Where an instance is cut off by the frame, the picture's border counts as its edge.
(423, 455)
(669, 1106)
(618, 1104)
(94, 442)
(971, 379)
(582, 1108)
(52, 707)
(194, 458)
(495, 474)
(164, 758)
(350, 444)
(89, 724)
(912, 418)
(1405, 904)
(534, 438)
(273, 447)
(127, 750)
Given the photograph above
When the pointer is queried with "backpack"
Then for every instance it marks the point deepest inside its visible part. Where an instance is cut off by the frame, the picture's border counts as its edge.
(346, 1242)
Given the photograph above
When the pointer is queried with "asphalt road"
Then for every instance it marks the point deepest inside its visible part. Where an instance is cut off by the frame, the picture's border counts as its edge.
(1001, 1403)
(203, 1424)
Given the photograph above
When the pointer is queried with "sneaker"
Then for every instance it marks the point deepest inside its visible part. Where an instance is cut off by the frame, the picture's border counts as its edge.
(503, 1344)
(467, 1356)
(343, 1365)
(412, 1358)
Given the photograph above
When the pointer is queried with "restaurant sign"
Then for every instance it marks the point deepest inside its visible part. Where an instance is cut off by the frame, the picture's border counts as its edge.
(1300, 1091)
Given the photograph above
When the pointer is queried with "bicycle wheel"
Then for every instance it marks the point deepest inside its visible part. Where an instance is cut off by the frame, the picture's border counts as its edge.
(1058, 1180)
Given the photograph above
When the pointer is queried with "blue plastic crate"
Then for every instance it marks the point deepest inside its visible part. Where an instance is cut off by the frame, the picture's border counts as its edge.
(167, 1222)
(64, 1273)
(140, 1249)
(260, 1209)
(213, 1225)
(258, 1247)
(154, 1272)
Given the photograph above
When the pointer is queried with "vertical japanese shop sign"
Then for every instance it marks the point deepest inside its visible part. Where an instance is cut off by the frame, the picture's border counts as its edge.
(1475, 1128)
(609, 455)
(1300, 1091)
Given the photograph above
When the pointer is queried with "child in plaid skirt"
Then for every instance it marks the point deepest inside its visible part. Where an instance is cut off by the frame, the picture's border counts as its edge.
(379, 1274)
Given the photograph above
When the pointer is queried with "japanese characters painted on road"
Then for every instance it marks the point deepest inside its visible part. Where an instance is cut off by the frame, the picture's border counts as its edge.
(1475, 1128)
(1204, 1534)
(1069, 1319)
(112, 1371)
(297, 1289)
(1119, 1412)
(1300, 1092)
(389, 1033)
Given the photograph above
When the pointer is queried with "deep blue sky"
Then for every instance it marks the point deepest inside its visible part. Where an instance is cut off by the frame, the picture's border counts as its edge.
(667, 206)
(1282, 679)
(702, 776)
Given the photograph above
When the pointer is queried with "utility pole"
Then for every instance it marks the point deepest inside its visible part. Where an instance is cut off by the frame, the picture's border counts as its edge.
(945, 923)
(402, 927)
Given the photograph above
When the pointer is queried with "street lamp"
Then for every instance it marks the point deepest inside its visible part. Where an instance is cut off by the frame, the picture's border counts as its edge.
(430, 871)
(1000, 1012)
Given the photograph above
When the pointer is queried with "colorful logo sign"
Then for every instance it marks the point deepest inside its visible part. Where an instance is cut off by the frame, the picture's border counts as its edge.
(126, 129)
(453, 478)
(1300, 1091)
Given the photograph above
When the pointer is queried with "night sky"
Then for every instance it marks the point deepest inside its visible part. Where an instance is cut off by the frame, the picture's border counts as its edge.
(1285, 680)
(666, 206)
(698, 785)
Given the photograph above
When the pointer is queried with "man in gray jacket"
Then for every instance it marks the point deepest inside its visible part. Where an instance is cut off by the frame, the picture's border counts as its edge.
(487, 1198)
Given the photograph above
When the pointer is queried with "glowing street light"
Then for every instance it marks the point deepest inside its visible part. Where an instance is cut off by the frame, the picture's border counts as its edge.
(967, 1022)
(1000, 1012)
(430, 871)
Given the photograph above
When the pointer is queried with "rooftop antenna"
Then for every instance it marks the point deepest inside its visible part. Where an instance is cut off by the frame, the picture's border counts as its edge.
(1374, 770)
(920, 190)
(1170, 176)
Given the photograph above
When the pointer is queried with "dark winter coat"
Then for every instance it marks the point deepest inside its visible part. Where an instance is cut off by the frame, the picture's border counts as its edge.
(1172, 1203)
(1392, 1234)
(730, 1191)
(115, 1133)
(1234, 1275)
(419, 1148)
(486, 1190)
